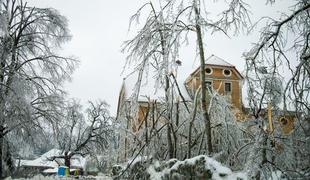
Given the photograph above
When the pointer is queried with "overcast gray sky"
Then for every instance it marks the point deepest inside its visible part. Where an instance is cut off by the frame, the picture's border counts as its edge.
(100, 26)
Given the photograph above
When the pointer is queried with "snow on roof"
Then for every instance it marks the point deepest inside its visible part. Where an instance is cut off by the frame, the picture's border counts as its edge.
(150, 88)
(44, 160)
(214, 60)
(183, 90)
(51, 153)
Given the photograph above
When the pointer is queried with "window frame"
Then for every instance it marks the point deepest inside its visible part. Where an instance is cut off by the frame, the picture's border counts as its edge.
(228, 92)
(210, 69)
(211, 84)
(226, 74)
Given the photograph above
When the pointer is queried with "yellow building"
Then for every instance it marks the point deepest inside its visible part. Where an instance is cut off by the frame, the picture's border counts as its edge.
(222, 76)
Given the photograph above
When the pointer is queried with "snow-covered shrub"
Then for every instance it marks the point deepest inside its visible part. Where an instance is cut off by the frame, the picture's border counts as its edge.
(199, 167)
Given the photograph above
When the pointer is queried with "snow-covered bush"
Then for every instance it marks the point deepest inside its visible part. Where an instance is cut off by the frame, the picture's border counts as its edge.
(199, 167)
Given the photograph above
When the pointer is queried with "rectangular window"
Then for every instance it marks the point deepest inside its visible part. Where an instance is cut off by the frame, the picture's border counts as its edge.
(209, 85)
(227, 87)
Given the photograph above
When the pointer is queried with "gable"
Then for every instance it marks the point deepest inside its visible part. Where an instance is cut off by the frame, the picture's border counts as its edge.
(217, 65)
(217, 72)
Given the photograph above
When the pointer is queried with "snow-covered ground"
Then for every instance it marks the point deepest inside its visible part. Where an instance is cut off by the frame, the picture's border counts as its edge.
(41, 177)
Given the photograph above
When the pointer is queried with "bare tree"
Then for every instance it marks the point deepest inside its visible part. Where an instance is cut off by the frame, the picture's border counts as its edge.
(31, 72)
(80, 136)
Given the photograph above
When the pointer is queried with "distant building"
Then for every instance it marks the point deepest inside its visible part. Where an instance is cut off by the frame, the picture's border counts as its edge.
(147, 93)
(220, 76)
(44, 164)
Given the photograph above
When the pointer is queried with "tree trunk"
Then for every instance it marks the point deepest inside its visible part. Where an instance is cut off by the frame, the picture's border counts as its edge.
(264, 151)
(177, 126)
(146, 117)
(170, 144)
(67, 161)
(8, 159)
(2, 89)
(191, 123)
(1, 152)
(1, 134)
(202, 81)
(167, 86)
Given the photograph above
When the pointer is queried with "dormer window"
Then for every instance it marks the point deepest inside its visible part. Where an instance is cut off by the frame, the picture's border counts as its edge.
(209, 71)
(226, 72)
